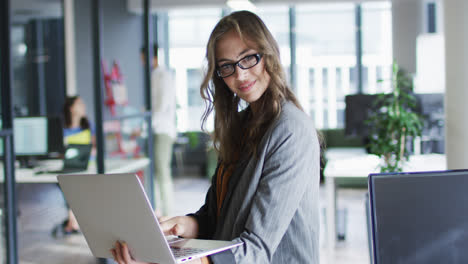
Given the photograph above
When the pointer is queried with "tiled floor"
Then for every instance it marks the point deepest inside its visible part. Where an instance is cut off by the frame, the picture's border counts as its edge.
(41, 207)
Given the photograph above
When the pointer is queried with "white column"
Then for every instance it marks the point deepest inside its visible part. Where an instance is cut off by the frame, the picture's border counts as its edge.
(332, 114)
(319, 110)
(372, 79)
(407, 24)
(182, 99)
(456, 95)
(303, 87)
(70, 55)
(345, 83)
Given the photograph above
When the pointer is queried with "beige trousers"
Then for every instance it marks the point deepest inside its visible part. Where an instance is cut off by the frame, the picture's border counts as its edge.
(163, 186)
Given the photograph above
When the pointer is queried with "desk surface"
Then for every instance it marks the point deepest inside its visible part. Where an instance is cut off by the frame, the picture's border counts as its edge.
(355, 162)
(112, 166)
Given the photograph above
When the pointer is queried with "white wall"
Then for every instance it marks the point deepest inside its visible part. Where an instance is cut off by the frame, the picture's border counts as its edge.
(430, 66)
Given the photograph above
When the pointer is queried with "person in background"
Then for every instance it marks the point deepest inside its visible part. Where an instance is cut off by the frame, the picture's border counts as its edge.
(163, 98)
(77, 130)
(265, 189)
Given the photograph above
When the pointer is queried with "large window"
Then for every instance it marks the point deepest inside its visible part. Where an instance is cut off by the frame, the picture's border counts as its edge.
(376, 46)
(276, 18)
(326, 56)
(189, 32)
(326, 65)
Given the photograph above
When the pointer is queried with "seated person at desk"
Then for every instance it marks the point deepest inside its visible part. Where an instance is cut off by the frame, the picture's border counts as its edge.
(264, 192)
(77, 130)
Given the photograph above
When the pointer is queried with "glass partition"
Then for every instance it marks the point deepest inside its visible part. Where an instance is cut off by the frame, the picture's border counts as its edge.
(3, 243)
(127, 136)
(37, 51)
(124, 111)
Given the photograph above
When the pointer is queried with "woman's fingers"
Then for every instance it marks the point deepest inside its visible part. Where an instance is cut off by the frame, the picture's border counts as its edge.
(168, 226)
(113, 254)
(184, 226)
(126, 253)
(163, 218)
(118, 253)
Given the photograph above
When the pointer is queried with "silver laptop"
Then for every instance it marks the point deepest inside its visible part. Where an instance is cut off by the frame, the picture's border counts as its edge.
(114, 207)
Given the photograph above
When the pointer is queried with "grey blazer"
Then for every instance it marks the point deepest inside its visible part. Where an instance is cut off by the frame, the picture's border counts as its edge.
(272, 202)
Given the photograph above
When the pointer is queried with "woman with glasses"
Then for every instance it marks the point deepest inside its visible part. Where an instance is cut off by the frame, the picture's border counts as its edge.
(265, 189)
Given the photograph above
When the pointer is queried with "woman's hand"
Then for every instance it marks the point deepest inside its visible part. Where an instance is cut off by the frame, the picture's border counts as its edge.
(195, 261)
(122, 254)
(183, 226)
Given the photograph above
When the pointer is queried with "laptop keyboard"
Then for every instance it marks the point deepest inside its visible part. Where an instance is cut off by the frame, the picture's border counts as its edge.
(180, 252)
(173, 239)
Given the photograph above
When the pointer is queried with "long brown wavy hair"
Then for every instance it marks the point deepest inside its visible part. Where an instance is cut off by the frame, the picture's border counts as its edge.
(67, 114)
(231, 128)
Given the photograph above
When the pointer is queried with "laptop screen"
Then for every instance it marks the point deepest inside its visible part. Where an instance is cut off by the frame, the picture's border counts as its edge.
(420, 217)
(77, 156)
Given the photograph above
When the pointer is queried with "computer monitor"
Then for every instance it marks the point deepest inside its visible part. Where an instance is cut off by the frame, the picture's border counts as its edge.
(419, 217)
(56, 147)
(31, 136)
(431, 108)
(358, 109)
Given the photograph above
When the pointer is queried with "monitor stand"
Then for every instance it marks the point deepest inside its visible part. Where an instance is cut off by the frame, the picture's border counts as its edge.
(28, 162)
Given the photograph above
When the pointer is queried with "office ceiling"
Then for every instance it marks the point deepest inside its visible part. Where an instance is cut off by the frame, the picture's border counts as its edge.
(135, 6)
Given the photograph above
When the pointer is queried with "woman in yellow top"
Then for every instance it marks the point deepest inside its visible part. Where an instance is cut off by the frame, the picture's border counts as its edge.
(77, 130)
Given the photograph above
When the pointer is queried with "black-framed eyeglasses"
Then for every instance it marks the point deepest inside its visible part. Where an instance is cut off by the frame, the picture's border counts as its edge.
(245, 63)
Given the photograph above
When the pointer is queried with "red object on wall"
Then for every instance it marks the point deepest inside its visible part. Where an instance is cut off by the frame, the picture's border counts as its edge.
(111, 79)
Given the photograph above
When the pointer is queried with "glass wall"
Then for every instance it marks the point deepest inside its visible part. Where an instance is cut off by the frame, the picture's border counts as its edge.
(376, 46)
(3, 242)
(38, 89)
(37, 45)
(326, 56)
(187, 50)
(326, 60)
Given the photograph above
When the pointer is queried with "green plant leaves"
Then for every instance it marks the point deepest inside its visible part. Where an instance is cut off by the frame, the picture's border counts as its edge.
(394, 123)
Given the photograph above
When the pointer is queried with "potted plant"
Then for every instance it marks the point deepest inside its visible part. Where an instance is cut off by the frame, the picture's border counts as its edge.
(394, 123)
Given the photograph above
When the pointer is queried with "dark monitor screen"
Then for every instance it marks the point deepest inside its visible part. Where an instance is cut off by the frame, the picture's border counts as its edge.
(55, 136)
(420, 217)
(359, 107)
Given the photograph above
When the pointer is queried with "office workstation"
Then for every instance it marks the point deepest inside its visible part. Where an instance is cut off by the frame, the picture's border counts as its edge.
(323, 67)
(41, 153)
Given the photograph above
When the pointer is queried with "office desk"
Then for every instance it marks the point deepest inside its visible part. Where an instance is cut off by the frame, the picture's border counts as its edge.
(111, 165)
(348, 163)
